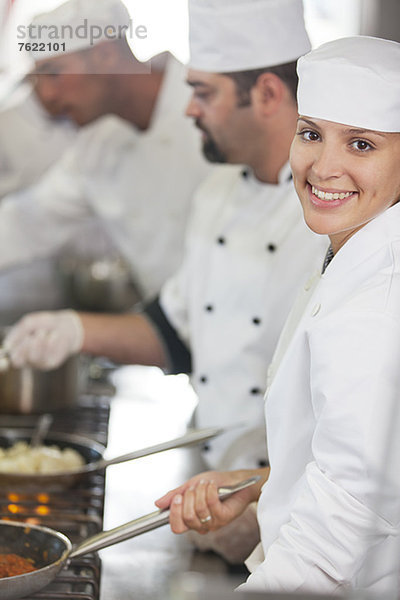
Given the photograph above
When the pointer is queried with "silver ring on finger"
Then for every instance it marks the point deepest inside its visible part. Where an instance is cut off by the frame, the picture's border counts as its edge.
(206, 519)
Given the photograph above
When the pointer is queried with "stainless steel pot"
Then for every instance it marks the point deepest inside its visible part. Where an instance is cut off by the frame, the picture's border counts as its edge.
(31, 391)
(97, 284)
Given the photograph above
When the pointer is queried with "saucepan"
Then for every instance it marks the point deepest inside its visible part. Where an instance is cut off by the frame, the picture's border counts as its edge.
(91, 451)
(29, 391)
(50, 550)
(98, 284)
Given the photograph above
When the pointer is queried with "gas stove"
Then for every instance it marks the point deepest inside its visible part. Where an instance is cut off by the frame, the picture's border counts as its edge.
(78, 512)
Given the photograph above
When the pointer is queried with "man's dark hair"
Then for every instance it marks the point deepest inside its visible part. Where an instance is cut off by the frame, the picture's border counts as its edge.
(245, 80)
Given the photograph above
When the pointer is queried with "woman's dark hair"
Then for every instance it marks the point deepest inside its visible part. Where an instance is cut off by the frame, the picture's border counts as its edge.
(245, 80)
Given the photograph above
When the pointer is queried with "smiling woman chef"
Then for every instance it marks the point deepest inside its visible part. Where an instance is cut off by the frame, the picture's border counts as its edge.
(329, 513)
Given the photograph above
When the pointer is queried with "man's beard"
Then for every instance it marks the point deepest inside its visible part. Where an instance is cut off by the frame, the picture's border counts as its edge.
(210, 149)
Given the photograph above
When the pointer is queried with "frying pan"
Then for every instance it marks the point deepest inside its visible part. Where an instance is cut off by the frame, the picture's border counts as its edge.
(50, 550)
(92, 453)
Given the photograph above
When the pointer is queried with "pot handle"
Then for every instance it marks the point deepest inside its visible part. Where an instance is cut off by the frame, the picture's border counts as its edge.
(192, 437)
(144, 524)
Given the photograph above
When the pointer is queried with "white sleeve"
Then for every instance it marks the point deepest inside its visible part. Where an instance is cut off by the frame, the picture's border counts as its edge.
(38, 220)
(340, 514)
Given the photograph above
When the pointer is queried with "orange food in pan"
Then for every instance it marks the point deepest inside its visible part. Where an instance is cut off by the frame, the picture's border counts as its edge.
(12, 564)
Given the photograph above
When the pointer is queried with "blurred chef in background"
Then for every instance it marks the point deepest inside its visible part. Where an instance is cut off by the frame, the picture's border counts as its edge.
(247, 247)
(31, 139)
(134, 163)
(32, 135)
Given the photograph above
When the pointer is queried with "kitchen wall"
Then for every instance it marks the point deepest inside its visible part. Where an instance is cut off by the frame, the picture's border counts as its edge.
(381, 18)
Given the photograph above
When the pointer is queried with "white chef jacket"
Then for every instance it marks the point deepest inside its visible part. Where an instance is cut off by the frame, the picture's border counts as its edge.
(247, 252)
(30, 142)
(329, 514)
(139, 184)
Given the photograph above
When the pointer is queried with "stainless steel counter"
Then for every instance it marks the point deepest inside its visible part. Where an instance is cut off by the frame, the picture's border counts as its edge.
(149, 407)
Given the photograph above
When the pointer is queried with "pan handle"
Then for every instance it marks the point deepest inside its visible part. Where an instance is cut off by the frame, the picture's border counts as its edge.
(192, 437)
(144, 524)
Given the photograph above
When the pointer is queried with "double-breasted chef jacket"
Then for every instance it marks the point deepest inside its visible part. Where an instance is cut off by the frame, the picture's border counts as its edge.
(139, 185)
(247, 252)
(329, 514)
(30, 142)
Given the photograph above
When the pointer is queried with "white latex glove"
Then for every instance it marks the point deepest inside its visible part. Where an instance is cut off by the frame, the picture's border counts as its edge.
(44, 339)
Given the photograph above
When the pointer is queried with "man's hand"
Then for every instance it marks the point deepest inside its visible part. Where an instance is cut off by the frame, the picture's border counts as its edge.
(195, 504)
(44, 339)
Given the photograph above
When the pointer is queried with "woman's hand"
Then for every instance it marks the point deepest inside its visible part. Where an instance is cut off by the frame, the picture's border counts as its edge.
(195, 504)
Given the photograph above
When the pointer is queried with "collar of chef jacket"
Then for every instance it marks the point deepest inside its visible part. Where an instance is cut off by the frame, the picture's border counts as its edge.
(364, 243)
(284, 175)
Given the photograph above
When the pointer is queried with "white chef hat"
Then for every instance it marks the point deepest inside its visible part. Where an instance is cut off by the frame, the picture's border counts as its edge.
(354, 81)
(79, 24)
(237, 35)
